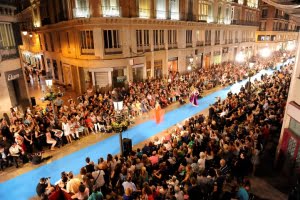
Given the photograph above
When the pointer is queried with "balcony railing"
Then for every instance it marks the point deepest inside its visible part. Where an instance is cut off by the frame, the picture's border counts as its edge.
(7, 11)
(243, 22)
(199, 43)
(207, 43)
(81, 12)
(172, 46)
(111, 11)
(8, 53)
(217, 42)
(112, 51)
(87, 51)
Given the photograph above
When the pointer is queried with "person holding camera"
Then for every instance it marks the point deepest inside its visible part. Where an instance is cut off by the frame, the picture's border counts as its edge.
(44, 187)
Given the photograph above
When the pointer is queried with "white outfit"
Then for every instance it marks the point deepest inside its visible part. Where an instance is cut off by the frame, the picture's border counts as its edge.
(66, 128)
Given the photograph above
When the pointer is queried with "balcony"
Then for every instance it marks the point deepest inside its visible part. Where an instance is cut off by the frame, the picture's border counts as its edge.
(81, 12)
(111, 11)
(217, 42)
(172, 46)
(113, 51)
(245, 23)
(199, 43)
(7, 10)
(207, 42)
(87, 51)
(8, 53)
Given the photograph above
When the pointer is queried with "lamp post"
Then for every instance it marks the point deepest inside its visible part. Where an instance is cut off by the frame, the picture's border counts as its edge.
(51, 96)
(118, 125)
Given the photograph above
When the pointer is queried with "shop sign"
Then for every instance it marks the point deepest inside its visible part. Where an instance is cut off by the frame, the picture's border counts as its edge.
(121, 79)
(12, 75)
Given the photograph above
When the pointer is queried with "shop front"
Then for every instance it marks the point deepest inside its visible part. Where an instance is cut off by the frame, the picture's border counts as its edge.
(16, 88)
(173, 64)
(207, 60)
(158, 73)
(119, 77)
(138, 72)
(217, 57)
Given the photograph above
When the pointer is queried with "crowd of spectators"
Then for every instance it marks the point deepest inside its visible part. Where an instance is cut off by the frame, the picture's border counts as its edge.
(93, 112)
(206, 157)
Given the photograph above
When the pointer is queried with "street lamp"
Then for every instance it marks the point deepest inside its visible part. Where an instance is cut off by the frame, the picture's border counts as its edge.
(120, 123)
(265, 52)
(51, 95)
(240, 57)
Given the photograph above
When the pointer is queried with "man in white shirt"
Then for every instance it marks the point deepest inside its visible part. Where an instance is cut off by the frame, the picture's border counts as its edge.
(99, 178)
(128, 184)
(16, 152)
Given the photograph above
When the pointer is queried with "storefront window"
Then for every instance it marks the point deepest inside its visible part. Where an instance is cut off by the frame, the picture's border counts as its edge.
(158, 69)
(294, 126)
(118, 78)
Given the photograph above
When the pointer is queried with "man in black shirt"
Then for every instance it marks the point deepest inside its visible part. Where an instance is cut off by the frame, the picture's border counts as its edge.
(89, 165)
(195, 192)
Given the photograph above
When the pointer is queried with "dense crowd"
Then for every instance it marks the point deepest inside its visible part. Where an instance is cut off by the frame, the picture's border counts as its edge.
(206, 157)
(93, 112)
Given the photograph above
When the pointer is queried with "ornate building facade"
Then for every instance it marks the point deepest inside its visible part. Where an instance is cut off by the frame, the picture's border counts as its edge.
(84, 43)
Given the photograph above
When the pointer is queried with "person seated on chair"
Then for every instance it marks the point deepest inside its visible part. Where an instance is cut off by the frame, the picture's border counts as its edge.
(16, 152)
(50, 140)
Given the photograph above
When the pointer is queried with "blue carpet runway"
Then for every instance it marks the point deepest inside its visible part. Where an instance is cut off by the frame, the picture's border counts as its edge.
(23, 187)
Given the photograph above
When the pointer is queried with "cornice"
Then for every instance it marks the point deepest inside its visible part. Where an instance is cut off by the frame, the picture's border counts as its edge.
(133, 22)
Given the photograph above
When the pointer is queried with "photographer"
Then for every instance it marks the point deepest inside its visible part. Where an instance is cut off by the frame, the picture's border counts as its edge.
(44, 187)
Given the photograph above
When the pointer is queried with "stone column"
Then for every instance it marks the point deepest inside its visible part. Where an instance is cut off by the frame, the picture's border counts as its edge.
(95, 8)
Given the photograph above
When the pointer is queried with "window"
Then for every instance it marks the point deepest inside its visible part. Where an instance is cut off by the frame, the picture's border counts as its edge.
(144, 8)
(200, 36)
(172, 39)
(87, 42)
(174, 9)
(189, 34)
(207, 37)
(142, 40)
(204, 11)
(111, 41)
(227, 17)
(68, 39)
(161, 37)
(220, 15)
(240, 1)
(81, 8)
(158, 39)
(7, 39)
(161, 9)
(217, 37)
(110, 8)
(51, 42)
(264, 13)
(58, 41)
(45, 40)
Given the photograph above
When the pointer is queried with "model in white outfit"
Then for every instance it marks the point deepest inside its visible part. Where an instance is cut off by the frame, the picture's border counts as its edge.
(67, 130)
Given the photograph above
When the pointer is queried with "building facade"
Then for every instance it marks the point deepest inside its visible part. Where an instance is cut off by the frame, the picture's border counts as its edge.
(12, 83)
(100, 43)
(278, 30)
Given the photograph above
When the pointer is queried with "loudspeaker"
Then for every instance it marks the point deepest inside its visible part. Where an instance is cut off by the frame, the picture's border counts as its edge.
(127, 146)
(33, 101)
